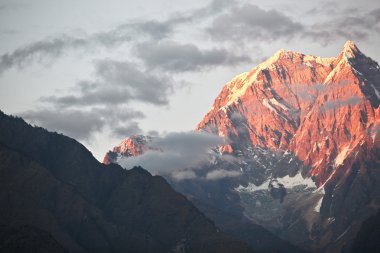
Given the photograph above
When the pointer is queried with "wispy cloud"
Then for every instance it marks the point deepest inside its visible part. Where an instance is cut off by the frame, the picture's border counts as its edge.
(132, 128)
(336, 104)
(177, 57)
(158, 54)
(220, 174)
(134, 31)
(180, 175)
(81, 124)
(74, 123)
(54, 47)
(356, 25)
(231, 21)
(249, 22)
(181, 156)
(175, 151)
(115, 83)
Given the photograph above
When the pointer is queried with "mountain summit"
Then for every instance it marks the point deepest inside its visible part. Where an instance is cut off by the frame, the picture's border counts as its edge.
(350, 49)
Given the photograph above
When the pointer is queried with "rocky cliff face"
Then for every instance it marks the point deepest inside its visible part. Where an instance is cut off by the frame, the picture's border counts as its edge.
(318, 108)
(56, 197)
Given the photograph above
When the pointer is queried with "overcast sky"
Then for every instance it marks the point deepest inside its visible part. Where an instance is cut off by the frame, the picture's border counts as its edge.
(99, 71)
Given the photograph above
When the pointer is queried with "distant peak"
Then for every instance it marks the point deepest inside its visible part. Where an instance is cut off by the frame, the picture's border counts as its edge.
(350, 49)
(274, 58)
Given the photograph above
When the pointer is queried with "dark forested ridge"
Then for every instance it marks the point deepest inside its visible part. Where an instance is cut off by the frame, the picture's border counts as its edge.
(52, 185)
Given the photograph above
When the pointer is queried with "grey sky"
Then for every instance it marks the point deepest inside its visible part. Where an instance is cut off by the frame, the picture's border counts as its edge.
(98, 70)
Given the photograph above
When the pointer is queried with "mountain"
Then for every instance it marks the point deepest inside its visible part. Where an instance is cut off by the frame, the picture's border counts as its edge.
(325, 112)
(320, 109)
(56, 197)
(304, 134)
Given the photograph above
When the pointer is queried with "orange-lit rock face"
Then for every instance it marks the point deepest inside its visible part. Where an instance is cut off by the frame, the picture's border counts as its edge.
(132, 146)
(319, 108)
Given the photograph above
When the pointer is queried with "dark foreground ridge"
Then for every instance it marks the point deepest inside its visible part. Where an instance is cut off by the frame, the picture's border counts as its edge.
(367, 240)
(56, 197)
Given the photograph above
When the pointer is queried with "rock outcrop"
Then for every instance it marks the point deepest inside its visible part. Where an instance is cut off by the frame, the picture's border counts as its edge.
(134, 145)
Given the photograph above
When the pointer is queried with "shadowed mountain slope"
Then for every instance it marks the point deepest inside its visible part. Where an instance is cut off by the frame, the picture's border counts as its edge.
(54, 185)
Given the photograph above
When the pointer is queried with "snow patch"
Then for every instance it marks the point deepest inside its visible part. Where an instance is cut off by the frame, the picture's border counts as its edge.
(268, 105)
(287, 181)
(342, 156)
(253, 188)
(224, 109)
(318, 162)
(317, 208)
(234, 92)
(345, 232)
(322, 61)
(298, 179)
(279, 104)
(376, 91)
(336, 70)
(308, 64)
(242, 80)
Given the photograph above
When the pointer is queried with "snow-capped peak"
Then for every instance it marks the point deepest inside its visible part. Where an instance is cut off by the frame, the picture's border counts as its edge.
(350, 49)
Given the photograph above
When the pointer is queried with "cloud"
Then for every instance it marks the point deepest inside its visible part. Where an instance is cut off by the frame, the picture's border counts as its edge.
(81, 124)
(175, 151)
(49, 48)
(249, 22)
(187, 142)
(215, 7)
(183, 175)
(328, 7)
(115, 83)
(133, 31)
(153, 133)
(126, 130)
(231, 21)
(354, 25)
(236, 116)
(331, 105)
(220, 174)
(54, 47)
(10, 6)
(177, 57)
(74, 123)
